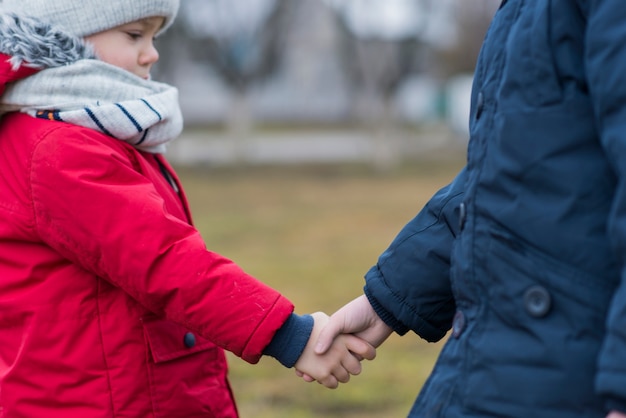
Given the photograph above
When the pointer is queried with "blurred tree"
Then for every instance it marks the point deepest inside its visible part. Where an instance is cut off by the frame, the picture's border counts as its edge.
(240, 40)
(471, 23)
(382, 43)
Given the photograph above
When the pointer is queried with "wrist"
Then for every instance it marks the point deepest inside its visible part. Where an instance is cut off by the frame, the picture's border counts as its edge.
(386, 316)
(290, 339)
(615, 404)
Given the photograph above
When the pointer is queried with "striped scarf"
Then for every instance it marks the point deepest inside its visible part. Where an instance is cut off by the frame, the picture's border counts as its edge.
(96, 95)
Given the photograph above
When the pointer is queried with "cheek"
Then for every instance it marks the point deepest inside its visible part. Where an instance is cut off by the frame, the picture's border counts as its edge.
(117, 58)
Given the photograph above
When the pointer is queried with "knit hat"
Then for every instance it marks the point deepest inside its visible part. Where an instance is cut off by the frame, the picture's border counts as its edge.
(86, 17)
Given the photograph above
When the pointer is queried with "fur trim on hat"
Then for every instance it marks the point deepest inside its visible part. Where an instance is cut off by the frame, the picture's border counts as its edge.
(37, 44)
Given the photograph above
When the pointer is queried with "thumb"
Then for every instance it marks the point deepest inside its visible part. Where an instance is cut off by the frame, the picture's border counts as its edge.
(327, 335)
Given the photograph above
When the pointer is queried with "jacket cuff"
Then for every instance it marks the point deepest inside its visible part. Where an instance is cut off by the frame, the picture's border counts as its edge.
(615, 404)
(290, 339)
(384, 314)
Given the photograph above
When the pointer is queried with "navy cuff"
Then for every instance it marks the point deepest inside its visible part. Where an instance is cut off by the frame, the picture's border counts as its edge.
(615, 404)
(385, 315)
(290, 339)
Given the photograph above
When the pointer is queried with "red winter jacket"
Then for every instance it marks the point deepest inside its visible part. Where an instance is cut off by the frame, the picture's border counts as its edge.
(110, 304)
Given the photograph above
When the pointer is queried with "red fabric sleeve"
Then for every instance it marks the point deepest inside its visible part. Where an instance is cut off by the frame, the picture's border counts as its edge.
(92, 206)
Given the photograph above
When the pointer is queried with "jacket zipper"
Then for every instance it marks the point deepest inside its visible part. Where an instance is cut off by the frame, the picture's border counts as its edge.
(167, 175)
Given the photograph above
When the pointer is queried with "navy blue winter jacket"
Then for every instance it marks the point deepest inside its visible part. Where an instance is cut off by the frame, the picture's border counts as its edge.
(522, 256)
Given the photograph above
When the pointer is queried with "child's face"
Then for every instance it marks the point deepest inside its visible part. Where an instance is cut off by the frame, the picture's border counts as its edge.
(129, 46)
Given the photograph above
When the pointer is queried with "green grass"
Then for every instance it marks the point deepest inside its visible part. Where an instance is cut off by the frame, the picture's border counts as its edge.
(311, 233)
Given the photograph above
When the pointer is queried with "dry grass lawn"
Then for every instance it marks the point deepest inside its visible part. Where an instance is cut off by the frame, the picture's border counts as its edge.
(312, 232)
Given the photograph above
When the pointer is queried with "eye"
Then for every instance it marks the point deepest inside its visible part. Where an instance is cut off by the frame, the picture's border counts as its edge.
(134, 35)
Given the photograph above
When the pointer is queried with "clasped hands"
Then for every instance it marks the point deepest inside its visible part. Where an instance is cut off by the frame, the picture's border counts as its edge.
(338, 343)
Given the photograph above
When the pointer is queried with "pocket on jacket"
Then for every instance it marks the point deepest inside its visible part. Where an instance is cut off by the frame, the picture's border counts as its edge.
(187, 372)
(535, 342)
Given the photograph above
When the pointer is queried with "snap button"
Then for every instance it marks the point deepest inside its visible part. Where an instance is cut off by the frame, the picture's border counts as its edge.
(480, 104)
(189, 340)
(462, 215)
(537, 301)
(458, 324)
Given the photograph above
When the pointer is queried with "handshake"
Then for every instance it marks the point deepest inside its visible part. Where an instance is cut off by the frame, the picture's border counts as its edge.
(339, 343)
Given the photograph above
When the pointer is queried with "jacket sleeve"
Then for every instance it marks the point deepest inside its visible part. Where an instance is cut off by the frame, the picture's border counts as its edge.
(409, 287)
(95, 209)
(605, 59)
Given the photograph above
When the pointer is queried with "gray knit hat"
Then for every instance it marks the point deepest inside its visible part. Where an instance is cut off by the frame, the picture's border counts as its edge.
(86, 17)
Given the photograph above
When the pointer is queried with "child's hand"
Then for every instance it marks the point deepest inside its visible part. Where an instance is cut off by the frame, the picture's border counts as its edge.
(337, 363)
(358, 318)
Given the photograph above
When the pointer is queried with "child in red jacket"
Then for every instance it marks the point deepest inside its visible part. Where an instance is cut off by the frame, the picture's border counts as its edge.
(110, 303)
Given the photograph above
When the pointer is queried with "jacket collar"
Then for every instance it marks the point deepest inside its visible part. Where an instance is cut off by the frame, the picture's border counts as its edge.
(8, 74)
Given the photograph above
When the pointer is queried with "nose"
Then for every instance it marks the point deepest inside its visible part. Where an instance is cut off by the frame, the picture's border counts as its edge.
(149, 56)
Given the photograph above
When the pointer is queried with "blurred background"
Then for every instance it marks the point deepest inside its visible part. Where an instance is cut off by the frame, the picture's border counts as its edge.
(265, 76)
(315, 129)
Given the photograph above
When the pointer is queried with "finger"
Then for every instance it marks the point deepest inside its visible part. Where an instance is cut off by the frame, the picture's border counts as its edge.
(360, 349)
(351, 364)
(330, 382)
(304, 376)
(343, 377)
(341, 374)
